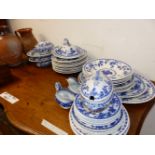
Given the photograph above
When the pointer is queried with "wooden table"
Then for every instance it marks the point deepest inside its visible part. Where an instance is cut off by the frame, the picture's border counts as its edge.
(34, 87)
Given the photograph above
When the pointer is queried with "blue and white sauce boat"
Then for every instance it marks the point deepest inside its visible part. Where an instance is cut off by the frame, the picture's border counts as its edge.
(73, 85)
(64, 97)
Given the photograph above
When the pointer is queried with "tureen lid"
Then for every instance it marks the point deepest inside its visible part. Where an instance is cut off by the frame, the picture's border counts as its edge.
(97, 88)
(68, 51)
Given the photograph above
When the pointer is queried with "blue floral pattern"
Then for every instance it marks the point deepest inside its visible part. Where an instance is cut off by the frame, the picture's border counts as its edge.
(111, 110)
(111, 64)
(97, 88)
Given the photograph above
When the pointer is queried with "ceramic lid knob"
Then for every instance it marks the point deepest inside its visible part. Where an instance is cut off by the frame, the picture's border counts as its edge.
(97, 89)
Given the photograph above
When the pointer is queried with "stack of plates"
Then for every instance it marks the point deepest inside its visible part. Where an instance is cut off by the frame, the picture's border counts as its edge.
(113, 120)
(68, 58)
(97, 109)
(131, 87)
(41, 54)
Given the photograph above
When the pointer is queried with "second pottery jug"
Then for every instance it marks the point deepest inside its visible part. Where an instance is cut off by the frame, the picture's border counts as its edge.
(27, 38)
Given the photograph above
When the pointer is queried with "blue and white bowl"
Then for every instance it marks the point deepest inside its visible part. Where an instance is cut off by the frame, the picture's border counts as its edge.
(117, 71)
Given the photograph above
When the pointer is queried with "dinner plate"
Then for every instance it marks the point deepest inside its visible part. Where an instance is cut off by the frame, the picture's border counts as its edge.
(40, 59)
(92, 126)
(148, 95)
(43, 64)
(116, 70)
(111, 110)
(138, 88)
(67, 71)
(35, 53)
(120, 128)
(69, 65)
(61, 60)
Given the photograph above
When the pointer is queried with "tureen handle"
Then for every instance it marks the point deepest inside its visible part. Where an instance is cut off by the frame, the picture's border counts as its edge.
(66, 42)
(58, 86)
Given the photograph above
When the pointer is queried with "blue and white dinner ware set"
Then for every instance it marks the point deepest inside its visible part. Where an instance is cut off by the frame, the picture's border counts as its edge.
(97, 109)
(95, 101)
(68, 58)
(131, 87)
(41, 54)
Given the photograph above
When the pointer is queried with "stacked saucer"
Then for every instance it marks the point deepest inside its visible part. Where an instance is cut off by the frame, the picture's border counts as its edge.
(97, 109)
(130, 87)
(41, 54)
(68, 58)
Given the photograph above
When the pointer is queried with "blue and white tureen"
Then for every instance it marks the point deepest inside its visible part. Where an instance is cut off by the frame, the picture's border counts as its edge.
(97, 91)
(68, 51)
(97, 109)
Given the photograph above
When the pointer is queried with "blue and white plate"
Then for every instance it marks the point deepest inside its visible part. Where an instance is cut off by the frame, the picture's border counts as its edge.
(138, 88)
(111, 110)
(40, 59)
(148, 95)
(117, 71)
(92, 126)
(62, 61)
(43, 64)
(34, 53)
(121, 128)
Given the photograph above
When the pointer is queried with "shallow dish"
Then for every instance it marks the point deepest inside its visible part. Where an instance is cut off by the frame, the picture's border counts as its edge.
(138, 88)
(91, 125)
(43, 64)
(116, 70)
(148, 95)
(40, 59)
(121, 128)
(111, 110)
(34, 53)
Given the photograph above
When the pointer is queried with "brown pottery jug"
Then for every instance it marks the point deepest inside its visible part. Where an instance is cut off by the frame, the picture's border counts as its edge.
(11, 49)
(27, 38)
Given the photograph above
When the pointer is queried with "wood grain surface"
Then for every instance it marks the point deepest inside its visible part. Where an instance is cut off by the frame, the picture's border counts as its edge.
(34, 87)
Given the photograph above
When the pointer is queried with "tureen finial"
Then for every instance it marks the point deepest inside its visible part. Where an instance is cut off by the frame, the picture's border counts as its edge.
(66, 42)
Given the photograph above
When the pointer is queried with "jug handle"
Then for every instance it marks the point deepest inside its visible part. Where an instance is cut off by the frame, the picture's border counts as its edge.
(17, 34)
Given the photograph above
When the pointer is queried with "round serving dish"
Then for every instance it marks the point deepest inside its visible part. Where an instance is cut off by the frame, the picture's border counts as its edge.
(110, 113)
(116, 70)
